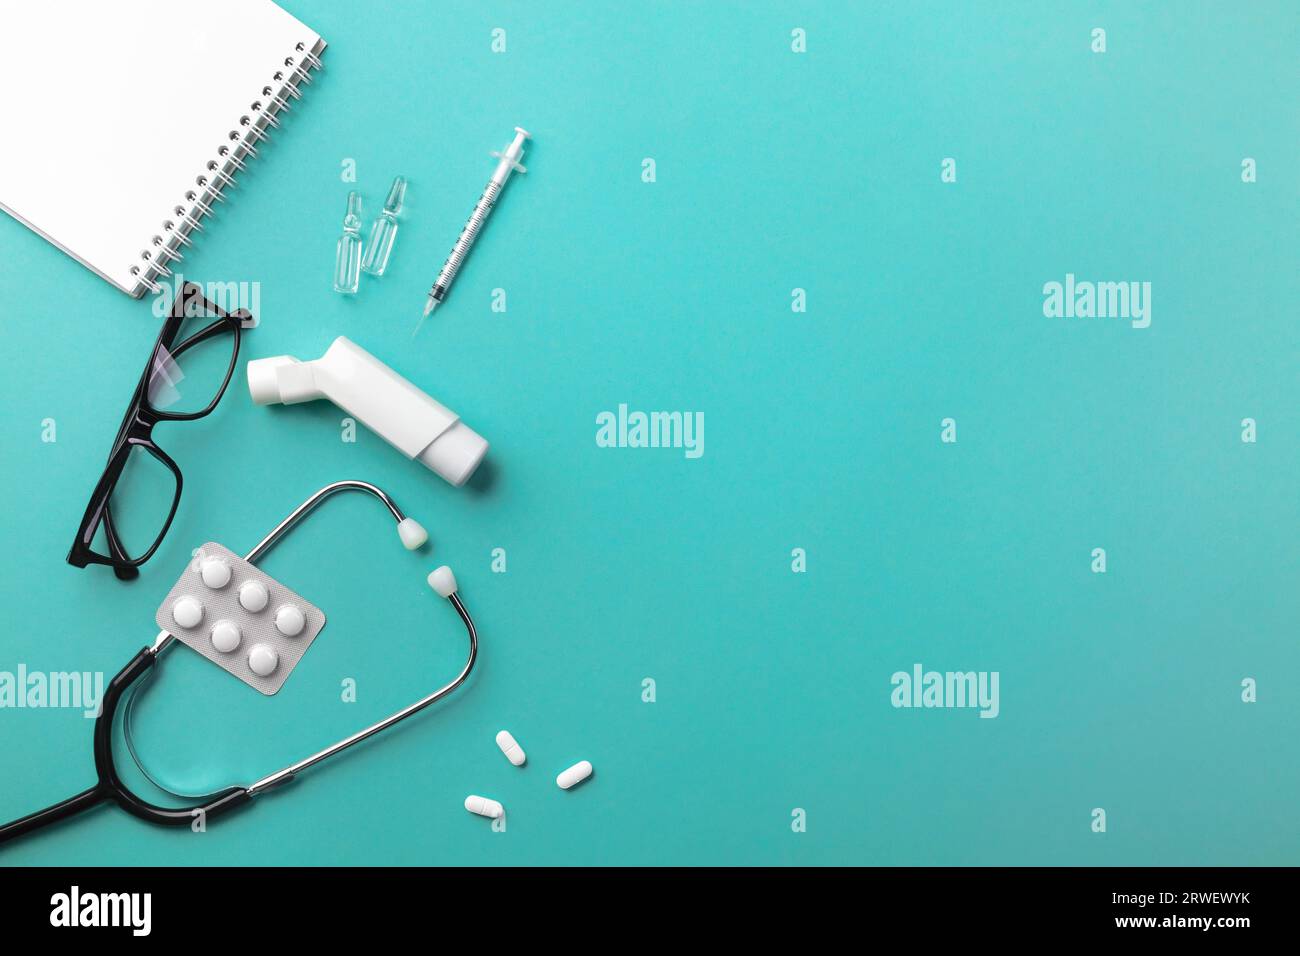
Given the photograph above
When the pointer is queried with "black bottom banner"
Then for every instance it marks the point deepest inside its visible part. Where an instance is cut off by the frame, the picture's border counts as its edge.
(235, 905)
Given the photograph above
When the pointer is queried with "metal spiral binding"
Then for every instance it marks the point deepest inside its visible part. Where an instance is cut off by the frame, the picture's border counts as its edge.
(219, 173)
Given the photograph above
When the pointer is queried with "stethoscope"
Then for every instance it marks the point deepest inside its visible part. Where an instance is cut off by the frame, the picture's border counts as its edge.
(109, 786)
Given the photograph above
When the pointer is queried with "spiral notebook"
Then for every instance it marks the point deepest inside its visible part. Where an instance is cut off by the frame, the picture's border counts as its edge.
(130, 118)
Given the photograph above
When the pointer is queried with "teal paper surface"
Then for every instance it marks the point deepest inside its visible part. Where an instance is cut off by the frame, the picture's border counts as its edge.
(773, 171)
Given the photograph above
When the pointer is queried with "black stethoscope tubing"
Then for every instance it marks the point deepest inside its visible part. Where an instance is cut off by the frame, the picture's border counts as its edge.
(110, 787)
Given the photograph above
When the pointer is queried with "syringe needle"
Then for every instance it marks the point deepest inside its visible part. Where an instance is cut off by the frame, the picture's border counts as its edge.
(428, 307)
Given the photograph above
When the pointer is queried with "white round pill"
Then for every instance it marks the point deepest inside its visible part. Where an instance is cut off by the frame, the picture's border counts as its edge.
(215, 572)
(262, 660)
(225, 636)
(253, 596)
(289, 621)
(187, 612)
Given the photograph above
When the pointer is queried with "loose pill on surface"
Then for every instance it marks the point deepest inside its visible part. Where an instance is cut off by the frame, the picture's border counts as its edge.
(187, 612)
(484, 807)
(262, 660)
(574, 775)
(225, 636)
(289, 621)
(510, 747)
(253, 596)
(215, 572)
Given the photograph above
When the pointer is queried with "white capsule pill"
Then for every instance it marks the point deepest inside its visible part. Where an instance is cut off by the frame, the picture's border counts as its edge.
(289, 621)
(187, 612)
(253, 596)
(215, 572)
(574, 775)
(262, 660)
(484, 807)
(225, 636)
(510, 747)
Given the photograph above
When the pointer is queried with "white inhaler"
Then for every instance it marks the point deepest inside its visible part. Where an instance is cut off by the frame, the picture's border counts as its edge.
(372, 393)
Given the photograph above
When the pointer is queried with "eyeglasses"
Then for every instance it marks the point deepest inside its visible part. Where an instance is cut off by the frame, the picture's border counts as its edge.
(180, 376)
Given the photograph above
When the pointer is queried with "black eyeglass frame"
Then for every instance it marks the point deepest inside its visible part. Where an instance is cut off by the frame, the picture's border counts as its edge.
(136, 431)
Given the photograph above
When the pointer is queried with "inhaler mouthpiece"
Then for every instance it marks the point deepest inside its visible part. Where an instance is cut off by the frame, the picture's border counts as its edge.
(367, 389)
(263, 379)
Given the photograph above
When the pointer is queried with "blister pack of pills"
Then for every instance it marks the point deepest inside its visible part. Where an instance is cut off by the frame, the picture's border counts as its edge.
(240, 618)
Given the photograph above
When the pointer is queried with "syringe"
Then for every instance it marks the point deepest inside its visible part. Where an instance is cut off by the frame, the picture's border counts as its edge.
(509, 162)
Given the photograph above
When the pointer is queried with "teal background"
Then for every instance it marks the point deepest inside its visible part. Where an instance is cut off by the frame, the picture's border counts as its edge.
(774, 171)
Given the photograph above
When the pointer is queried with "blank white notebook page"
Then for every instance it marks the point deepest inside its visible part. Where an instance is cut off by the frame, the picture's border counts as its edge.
(114, 110)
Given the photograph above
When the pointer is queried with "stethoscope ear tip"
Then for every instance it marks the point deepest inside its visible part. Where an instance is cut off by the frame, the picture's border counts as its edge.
(443, 581)
(412, 533)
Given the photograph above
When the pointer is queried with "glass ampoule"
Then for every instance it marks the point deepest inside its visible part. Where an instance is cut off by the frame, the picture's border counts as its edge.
(384, 230)
(347, 258)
